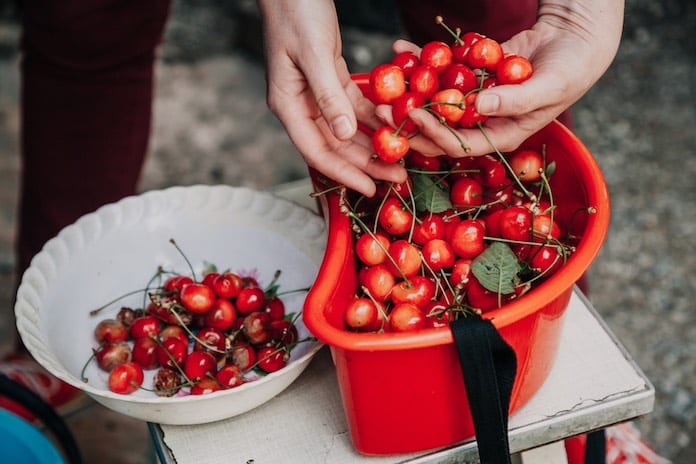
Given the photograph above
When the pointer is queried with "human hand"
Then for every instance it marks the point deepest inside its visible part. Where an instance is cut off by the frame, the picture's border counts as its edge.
(311, 92)
(571, 46)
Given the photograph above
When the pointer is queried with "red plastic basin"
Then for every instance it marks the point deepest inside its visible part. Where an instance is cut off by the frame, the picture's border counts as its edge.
(404, 392)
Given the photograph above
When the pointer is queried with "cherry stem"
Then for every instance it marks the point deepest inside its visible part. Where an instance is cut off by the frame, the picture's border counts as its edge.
(440, 21)
(96, 311)
(183, 255)
(192, 335)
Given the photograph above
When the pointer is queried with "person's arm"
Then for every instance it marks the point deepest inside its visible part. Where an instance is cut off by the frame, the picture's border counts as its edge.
(571, 46)
(312, 94)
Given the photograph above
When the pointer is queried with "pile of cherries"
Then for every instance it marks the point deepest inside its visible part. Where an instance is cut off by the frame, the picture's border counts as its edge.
(461, 236)
(200, 337)
(445, 80)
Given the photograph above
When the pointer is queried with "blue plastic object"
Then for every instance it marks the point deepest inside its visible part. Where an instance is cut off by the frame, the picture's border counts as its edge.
(21, 442)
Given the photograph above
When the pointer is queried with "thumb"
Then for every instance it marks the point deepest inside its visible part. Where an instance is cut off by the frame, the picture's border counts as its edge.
(516, 100)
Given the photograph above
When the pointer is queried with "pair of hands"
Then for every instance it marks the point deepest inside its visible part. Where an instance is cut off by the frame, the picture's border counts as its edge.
(310, 89)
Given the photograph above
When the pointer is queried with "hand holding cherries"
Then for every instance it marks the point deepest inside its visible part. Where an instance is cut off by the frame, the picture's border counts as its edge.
(443, 79)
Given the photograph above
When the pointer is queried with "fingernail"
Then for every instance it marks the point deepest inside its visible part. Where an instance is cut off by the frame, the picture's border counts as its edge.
(341, 127)
(487, 103)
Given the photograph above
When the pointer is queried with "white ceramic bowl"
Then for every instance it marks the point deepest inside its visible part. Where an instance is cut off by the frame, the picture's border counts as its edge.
(117, 248)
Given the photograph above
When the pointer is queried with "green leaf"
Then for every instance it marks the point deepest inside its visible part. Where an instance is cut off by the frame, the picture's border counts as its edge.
(497, 268)
(430, 195)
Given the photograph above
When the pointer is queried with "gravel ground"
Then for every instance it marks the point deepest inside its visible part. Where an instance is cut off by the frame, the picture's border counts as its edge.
(212, 126)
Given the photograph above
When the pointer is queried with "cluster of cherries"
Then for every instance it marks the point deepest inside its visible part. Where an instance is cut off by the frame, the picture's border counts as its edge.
(445, 80)
(200, 337)
(462, 235)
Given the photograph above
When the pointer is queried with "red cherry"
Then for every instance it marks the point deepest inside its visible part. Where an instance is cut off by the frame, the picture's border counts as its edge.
(251, 299)
(545, 228)
(256, 327)
(197, 298)
(173, 330)
(176, 283)
(272, 359)
(460, 49)
(407, 61)
(387, 82)
(230, 376)
(243, 355)
(458, 76)
(144, 326)
(126, 378)
(406, 257)
(394, 218)
(222, 315)
(378, 280)
(527, 165)
(172, 352)
(110, 330)
(449, 104)
(227, 285)
(481, 298)
(466, 192)
(437, 55)
(424, 80)
(485, 53)
(360, 313)
(471, 117)
(406, 317)
(467, 238)
(431, 226)
(513, 69)
(198, 364)
(209, 278)
(401, 108)
(418, 290)
(419, 161)
(275, 308)
(205, 386)
(372, 248)
(283, 332)
(210, 339)
(438, 254)
(110, 355)
(515, 223)
(389, 146)
(546, 260)
(145, 352)
(461, 272)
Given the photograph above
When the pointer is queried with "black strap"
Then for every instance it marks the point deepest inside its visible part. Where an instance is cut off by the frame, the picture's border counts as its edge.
(44, 412)
(596, 448)
(489, 366)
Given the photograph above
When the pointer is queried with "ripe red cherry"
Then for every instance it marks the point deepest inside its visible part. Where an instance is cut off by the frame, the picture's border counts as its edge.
(458, 76)
(227, 285)
(485, 53)
(389, 146)
(172, 330)
(209, 278)
(449, 104)
(205, 386)
(176, 283)
(436, 314)
(515, 223)
(110, 330)
(471, 117)
(424, 80)
(417, 160)
(402, 106)
(145, 352)
(198, 364)
(527, 165)
(197, 298)
(372, 248)
(387, 82)
(466, 192)
(406, 257)
(144, 326)
(480, 297)
(436, 54)
(438, 254)
(431, 226)
(406, 317)
(243, 355)
(461, 272)
(461, 48)
(126, 378)
(492, 171)
(272, 359)
(545, 228)
(513, 69)
(395, 190)
(230, 376)
(210, 339)
(250, 299)
(418, 290)
(467, 238)
(394, 218)
(360, 313)
(378, 280)
(275, 308)
(407, 61)
(172, 352)
(222, 315)
(546, 260)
